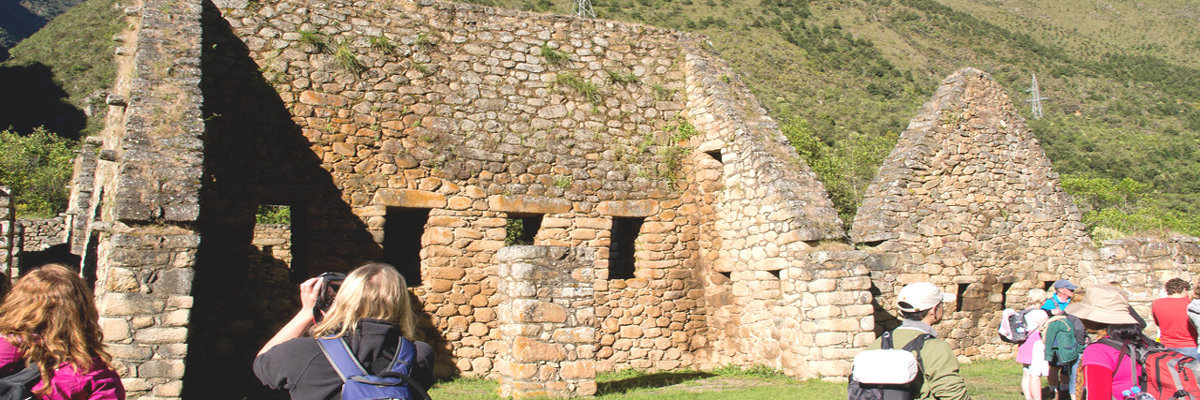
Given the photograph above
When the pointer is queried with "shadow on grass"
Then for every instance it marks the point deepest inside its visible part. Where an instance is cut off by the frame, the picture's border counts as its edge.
(655, 380)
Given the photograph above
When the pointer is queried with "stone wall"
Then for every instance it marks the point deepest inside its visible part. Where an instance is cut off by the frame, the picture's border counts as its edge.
(7, 232)
(460, 116)
(1141, 266)
(40, 234)
(968, 201)
(547, 317)
(144, 198)
(767, 212)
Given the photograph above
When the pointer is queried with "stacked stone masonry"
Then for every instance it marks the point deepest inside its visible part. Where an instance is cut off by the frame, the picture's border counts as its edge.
(1142, 266)
(548, 320)
(418, 133)
(968, 200)
(40, 234)
(137, 214)
(7, 230)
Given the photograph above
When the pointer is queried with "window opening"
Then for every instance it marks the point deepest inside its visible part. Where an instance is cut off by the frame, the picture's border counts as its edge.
(774, 272)
(715, 154)
(522, 229)
(962, 289)
(1046, 285)
(1004, 295)
(621, 247)
(728, 276)
(274, 233)
(402, 231)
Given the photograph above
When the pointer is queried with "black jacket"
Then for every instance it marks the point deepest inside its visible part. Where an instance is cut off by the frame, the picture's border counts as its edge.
(299, 366)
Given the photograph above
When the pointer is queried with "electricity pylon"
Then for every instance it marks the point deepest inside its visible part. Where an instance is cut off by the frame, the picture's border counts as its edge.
(1035, 100)
(583, 9)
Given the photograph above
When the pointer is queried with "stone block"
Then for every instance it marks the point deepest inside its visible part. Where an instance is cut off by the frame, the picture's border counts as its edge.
(169, 369)
(124, 304)
(628, 208)
(530, 350)
(408, 198)
(161, 335)
(528, 204)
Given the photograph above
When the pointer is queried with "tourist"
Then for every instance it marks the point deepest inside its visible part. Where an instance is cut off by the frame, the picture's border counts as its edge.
(1170, 313)
(1107, 372)
(1063, 290)
(50, 322)
(1032, 355)
(371, 311)
(922, 305)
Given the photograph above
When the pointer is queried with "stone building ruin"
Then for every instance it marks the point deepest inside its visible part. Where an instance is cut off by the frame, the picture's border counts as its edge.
(665, 221)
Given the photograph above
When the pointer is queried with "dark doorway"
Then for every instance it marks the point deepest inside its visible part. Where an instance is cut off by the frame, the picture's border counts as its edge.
(402, 241)
(621, 248)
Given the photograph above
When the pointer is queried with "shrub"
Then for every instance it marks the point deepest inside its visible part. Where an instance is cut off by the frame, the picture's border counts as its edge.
(37, 167)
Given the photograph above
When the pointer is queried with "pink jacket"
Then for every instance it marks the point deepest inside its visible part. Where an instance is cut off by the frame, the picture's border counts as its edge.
(69, 384)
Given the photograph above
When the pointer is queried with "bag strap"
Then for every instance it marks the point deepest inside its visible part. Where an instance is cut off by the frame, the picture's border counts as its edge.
(885, 342)
(403, 347)
(338, 353)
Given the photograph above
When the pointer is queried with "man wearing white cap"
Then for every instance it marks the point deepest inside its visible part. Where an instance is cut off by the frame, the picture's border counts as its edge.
(922, 305)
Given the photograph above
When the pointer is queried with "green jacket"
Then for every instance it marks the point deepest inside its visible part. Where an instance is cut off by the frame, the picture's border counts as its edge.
(938, 363)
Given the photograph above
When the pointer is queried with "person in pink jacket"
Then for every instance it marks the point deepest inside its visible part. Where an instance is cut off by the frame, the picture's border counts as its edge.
(48, 320)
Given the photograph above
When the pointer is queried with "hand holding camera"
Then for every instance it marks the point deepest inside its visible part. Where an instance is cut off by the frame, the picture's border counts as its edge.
(326, 289)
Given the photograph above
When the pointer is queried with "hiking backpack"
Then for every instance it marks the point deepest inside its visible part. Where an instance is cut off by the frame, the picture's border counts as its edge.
(886, 373)
(1012, 325)
(19, 385)
(1066, 346)
(357, 384)
(1166, 374)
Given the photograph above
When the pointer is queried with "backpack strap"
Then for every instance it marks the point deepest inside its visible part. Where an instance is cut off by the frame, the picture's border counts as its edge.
(338, 353)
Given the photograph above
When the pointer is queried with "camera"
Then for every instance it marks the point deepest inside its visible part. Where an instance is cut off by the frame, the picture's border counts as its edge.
(330, 282)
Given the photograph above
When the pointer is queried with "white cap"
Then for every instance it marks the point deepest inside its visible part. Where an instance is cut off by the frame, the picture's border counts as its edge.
(921, 296)
(1035, 319)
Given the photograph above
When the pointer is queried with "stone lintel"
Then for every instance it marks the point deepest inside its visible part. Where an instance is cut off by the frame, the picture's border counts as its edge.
(408, 198)
(528, 204)
(630, 208)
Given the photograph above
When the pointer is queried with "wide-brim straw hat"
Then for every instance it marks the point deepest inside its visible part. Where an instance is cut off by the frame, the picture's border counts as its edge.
(1104, 304)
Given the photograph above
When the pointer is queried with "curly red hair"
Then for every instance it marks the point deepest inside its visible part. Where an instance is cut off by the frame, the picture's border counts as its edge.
(50, 316)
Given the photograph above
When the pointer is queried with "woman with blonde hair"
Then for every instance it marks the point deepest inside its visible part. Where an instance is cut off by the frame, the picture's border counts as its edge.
(50, 322)
(371, 313)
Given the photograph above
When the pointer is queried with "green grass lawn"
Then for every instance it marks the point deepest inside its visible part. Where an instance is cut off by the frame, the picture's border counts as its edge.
(989, 379)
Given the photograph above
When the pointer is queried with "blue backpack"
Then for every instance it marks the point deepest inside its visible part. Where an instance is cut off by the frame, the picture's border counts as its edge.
(357, 384)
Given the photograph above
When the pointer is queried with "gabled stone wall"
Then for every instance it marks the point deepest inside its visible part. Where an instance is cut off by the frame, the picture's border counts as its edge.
(968, 201)
(767, 212)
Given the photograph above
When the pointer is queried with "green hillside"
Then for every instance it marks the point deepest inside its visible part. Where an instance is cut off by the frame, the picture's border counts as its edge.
(20, 19)
(46, 84)
(845, 76)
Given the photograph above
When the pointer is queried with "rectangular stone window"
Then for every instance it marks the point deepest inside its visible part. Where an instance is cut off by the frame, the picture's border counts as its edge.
(402, 231)
(274, 233)
(522, 229)
(962, 289)
(1004, 295)
(621, 248)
